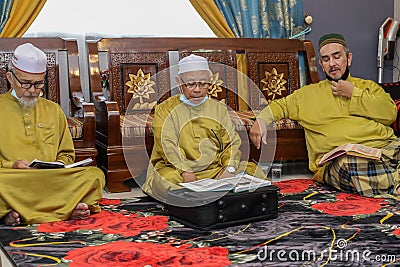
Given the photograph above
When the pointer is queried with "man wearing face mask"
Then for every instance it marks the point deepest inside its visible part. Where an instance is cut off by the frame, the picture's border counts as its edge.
(342, 109)
(194, 137)
(36, 128)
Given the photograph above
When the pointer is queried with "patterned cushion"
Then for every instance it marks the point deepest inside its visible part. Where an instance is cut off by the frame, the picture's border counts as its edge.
(75, 127)
(244, 119)
(285, 124)
(138, 125)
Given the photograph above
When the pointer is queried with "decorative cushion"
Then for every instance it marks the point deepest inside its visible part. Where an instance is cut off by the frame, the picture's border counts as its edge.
(136, 125)
(75, 127)
(244, 119)
(139, 125)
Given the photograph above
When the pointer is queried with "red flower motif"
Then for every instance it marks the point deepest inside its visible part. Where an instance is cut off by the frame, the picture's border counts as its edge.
(107, 202)
(350, 204)
(122, 253)
(396, 232)
(109, 223)
(201, 256)
(354, 197)
(95, 221)
(294, 186)
(133, 226)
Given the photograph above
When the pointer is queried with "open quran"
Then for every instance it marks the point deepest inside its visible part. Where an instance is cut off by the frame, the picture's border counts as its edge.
(353, 150)
(38, 164)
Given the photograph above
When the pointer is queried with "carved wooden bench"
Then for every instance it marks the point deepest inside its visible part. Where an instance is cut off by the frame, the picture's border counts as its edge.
(124, 112)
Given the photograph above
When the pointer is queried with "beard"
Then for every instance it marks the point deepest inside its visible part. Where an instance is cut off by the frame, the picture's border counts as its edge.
(343, 77)
(27, 101)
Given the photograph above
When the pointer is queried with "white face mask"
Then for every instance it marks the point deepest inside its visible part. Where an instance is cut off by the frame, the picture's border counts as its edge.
(25, 104)
(14, 94)
(184, 99)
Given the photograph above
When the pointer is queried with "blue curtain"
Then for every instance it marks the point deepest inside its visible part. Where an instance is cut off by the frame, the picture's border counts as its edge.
(5, 9)
(263, 18)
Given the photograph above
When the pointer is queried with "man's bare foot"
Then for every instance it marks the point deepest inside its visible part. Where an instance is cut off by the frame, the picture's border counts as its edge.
(12, 218)
(81, 212)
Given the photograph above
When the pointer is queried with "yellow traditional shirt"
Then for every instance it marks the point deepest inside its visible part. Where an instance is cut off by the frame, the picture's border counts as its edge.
(201, 139)
(330, 121)
(41, 132)
(42, 195)
(194, 138)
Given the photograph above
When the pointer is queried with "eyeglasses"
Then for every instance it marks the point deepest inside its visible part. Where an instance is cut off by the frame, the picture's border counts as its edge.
(28, 85)
(192, 85)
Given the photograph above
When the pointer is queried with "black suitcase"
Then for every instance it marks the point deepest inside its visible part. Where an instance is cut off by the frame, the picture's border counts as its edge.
(208, 210)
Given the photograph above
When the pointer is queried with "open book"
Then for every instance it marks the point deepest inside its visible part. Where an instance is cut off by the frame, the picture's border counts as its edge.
(238, 183)
(353, 150)
(38, 164)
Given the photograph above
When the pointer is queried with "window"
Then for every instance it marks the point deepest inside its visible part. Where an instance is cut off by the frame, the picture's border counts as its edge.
(92, 19)
(167, 18)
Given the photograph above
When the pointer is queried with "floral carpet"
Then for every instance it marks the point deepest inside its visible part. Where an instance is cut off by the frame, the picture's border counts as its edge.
(316, 226)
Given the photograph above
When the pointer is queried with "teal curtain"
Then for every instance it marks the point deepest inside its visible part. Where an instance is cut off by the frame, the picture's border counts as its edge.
(263, 18)
(5, 9)
(266, 19)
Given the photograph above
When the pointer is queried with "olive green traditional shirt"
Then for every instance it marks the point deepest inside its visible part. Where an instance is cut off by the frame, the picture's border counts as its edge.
(41, 132)
(330, 121)
(42, 195)
(194, 138)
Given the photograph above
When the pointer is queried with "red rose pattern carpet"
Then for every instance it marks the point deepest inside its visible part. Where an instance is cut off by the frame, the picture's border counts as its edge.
(316, 226)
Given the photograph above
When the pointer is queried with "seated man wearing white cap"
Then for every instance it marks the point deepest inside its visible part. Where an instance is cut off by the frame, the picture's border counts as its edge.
(36, 128)
(194, 137)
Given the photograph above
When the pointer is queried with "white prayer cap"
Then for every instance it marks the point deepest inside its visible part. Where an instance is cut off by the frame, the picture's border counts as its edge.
(29, 58)
(192, 63)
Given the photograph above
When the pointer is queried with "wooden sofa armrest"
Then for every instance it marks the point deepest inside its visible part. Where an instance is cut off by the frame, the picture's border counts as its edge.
(89, 124)
(312, 61)
(108, 122)
(86, 112)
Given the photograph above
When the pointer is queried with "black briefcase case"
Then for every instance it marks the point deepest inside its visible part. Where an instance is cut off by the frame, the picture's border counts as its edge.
(207, 210)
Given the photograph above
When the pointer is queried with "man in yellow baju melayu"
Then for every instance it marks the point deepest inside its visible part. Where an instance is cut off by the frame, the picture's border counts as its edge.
(35, 128)
(342, 109)
(194, 137)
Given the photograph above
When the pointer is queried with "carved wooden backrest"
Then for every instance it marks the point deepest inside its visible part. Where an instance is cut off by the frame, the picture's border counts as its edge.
(276, 74)
(150, 55)
(223, 74)
(276, 69)
(137, 77)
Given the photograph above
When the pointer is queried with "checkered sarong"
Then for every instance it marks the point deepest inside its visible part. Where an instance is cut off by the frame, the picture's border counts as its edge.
(365, 176)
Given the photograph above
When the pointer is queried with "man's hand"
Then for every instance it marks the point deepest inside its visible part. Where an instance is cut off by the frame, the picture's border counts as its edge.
(189, 176)
(225, 174)
(258, 132)
(20, 164)
(342, 88)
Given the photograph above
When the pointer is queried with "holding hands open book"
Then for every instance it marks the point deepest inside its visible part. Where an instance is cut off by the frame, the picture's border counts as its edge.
(353, 150)
(38, 164)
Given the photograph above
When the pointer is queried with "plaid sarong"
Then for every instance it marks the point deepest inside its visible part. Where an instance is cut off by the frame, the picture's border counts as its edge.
(365, 176)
